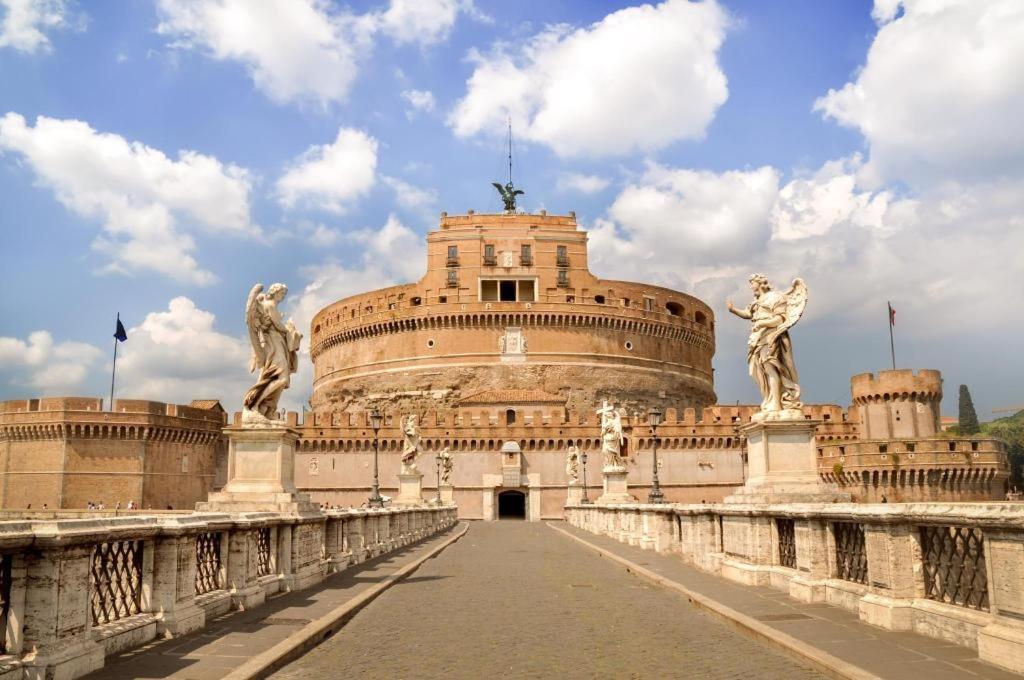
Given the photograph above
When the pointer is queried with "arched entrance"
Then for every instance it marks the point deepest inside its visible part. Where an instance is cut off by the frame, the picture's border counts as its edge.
(511, 505)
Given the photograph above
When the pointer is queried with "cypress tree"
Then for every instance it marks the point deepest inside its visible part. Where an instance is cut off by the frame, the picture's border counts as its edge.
(968, 416)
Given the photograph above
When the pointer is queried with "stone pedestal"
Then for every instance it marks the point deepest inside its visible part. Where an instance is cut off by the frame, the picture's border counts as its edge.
(616, 490)
(410, 489)
(782, 465)
(447, 494)
(261, 469)
(575, 494)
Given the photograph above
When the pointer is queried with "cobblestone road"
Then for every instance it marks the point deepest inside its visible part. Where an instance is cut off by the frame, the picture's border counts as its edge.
(519, 600)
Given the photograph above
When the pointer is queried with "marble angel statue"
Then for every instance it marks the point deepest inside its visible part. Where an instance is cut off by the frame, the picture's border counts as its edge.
(411, 445)
(572, 465)
(275, 354)
(611, 438)
(447, 464)
(769, 348)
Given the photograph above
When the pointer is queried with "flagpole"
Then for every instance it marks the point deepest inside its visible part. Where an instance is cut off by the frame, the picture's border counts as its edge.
(892, 345)
(114, 371)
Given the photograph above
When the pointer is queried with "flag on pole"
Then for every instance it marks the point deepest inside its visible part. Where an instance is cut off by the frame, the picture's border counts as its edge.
(892, 315)
(120, 332)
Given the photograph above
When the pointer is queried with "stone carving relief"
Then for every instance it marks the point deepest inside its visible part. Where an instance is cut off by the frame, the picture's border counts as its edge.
(314, 466)
(275, 355)
(512, 344)
(769, 348)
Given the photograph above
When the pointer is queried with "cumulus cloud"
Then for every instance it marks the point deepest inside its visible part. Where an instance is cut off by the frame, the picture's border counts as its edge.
(48, 368)
(419, 100)
(584, 184)
(177, 355)
(146, 201)
(941, 94)
(301, 50)
(641, 78)
(409, 196)
(26, 23)
(331, 176)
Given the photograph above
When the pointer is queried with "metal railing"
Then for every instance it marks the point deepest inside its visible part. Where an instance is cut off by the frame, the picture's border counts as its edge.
(953, 558)
(786, 529)
(208, 576)
(851, 555)
(116, 580)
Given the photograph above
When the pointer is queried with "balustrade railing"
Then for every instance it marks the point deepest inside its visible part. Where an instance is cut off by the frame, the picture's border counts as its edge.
(116, 580)
(5, 599)
(954, 565)
(952, 571)
(208, 576)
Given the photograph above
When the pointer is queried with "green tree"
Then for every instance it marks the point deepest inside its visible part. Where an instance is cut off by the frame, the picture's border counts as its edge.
(1011, 431)
(968, 424)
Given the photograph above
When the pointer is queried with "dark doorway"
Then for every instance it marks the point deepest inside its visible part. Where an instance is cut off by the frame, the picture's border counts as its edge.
(511, 505)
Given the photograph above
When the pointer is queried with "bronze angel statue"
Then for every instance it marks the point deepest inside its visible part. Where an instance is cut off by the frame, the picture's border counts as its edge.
(508, 194)
(769, 349)
(275, 354)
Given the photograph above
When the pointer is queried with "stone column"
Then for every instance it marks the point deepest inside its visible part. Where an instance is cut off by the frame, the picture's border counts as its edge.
(812, 560)
(891, 554)
(747, 543)
(246, 592)
(174, 586)
(1002, 641)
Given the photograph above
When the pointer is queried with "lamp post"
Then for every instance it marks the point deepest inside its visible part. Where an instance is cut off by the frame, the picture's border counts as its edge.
(584, 500)
(375, 500)
(437, 462)
(654, 418)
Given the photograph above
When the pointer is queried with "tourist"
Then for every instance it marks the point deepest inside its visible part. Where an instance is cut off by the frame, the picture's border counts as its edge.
(884, 499)
(117, 506)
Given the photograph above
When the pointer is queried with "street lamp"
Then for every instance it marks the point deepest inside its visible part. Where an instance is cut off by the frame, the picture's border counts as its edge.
(375, 501)
(437, 462)
(584, 500)
(654, 418)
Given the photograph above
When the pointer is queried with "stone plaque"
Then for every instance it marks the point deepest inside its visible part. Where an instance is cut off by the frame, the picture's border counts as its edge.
(876, 543)
(1006, 560)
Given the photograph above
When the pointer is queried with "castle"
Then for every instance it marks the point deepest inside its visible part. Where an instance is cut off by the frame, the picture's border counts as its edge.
(504, 349)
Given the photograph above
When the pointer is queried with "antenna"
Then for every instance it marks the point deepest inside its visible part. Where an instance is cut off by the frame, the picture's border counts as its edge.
(510, 149)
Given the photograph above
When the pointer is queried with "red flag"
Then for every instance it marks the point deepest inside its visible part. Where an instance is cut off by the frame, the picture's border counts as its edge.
(892, 315)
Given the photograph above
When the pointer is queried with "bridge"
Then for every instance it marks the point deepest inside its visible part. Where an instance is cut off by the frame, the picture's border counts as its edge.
(714, 591)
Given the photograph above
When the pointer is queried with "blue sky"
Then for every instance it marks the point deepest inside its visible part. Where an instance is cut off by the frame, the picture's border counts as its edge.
(188, 148)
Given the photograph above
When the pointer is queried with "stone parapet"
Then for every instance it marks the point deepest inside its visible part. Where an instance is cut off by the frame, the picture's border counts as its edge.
(82, 589)
(950, 571)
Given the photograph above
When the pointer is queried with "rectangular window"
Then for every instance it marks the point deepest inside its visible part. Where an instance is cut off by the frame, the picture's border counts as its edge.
(525, 255)
(507, 291)
(453, 278)
(489, 291)
(453, 255)
(648, 304)
(527, 291)
(563, 278)
(563, 256)
(489, 256)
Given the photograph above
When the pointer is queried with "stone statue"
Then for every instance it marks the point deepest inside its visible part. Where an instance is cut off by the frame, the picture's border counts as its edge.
(572, 465)
(769, 349)
(275, 354)
(508, 194)
(447, 464)
(411, 445)
(611, 438)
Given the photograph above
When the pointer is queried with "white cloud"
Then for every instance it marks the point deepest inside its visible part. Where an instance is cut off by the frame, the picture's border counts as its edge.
(177, 355)
(302, 50)
(323, 236)
(584, 184)
(420, 100)
(144, 199)
(641, 78)
(941, 94)
(294, 50)
(409, 196)
(331, 176)
(48, 368)
(26, 22)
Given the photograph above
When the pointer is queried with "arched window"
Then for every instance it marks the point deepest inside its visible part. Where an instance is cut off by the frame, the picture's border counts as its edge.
(674, 308)
(700, 317)
(510, 416)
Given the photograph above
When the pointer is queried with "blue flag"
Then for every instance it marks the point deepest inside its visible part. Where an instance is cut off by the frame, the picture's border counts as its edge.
(120, 333)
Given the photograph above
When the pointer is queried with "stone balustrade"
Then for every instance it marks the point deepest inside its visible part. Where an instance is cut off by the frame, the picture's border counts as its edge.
(953, 571)
(73, 591)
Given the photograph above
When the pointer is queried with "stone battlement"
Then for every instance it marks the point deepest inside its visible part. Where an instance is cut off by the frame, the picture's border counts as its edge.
(86, 410)
(922, 384)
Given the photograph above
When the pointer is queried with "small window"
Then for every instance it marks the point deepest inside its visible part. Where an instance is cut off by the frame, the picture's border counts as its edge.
(629, 346)
(570, 299)
(453, 278)
(563, 278)
(883, 448)
(700, 317)
(510, 417)
(599, 299)
(453, 255)
(625, 302)
(430, 343)
(648, 304)
(526, 254)
(392, 305)
(527, 291)
(442, 299)
(974, 446)
(910, 447)
(828, 416)
(488, 290)
(416, 301)
(952, 446)
(489, 255)
(563, 256)
(674, 308)
(507, 291)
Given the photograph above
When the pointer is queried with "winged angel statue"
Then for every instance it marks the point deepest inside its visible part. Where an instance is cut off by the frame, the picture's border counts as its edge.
(769, 349)
(275, 348)
(508, 194)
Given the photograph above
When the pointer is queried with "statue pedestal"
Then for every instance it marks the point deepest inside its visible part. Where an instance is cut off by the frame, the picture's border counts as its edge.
(575, 493)
(616, 490)
(447, 494)
(410, 489)
(782, 464)
(261, 469)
